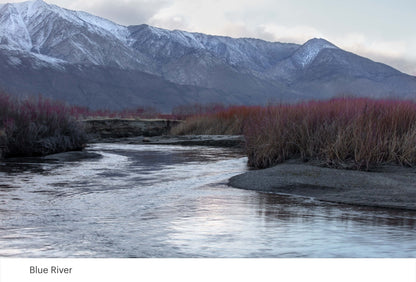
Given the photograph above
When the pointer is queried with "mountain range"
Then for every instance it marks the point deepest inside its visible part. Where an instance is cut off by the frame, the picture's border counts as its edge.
(90, 61)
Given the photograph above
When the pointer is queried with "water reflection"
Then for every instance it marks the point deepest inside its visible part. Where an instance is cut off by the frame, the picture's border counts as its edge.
(172, 201)
(272, 206)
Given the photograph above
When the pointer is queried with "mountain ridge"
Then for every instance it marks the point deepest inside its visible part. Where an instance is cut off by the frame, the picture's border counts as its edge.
(47, 37)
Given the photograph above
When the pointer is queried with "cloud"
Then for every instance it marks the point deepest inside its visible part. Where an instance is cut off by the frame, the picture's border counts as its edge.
(294, 34)
(358, 42)
(125, 12)
(164, 18)
(392, 52)
(405, 65)
(175, 17)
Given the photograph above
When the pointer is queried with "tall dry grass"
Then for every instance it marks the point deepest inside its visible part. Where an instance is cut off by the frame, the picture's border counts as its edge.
(228, 121)
(37, 126)
(356, 133)
(84, 113)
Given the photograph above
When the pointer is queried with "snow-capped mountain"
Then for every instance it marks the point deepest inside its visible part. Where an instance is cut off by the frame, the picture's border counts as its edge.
(308, 52)
(71, 36)
(43, 47)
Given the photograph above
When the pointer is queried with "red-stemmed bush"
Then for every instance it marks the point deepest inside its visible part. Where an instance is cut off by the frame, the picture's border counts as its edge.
(346, 132)
(357, 133)
(37, 126)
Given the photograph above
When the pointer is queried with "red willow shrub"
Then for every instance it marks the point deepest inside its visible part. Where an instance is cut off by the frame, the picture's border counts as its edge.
(347, 132)
(38, 126)
(356, 133)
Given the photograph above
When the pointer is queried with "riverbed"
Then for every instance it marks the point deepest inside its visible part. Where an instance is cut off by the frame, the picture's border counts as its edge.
(173, 201)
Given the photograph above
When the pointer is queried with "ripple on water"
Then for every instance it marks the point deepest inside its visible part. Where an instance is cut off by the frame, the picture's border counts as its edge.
(172, 201)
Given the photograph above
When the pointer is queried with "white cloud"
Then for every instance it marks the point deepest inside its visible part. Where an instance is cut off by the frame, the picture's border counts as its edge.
(357, 42)
(396, 53)
(126, 12)
(165, 18)
(294, 34)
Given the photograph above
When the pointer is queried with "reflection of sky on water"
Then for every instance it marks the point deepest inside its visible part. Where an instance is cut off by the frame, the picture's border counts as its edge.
(172, 201)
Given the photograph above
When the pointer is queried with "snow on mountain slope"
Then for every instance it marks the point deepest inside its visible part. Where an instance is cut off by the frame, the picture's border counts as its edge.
(308, 51)
(38, 27)
(79, 37)
(98, 24)
(165, 45)
(13, 31)
(18, 58)
(36, 11)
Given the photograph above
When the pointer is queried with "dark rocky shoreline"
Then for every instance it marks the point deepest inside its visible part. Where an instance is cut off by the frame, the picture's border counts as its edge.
(390, 186)
(99, 129)
(236, 141)
(131, 131)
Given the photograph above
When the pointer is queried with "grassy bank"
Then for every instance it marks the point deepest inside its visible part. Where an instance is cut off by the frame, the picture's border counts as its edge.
(37, 126)
(228, 121)
(352, 133)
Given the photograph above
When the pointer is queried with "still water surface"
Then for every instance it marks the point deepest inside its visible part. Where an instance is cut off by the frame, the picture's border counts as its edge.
(173, 201)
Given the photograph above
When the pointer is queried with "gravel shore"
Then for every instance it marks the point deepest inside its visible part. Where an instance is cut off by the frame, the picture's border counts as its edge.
(389, 186)
(185, 140)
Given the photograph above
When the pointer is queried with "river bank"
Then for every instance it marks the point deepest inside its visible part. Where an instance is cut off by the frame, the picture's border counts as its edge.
(389, 186)
(101, 129)
(152, 132)
(226, 141)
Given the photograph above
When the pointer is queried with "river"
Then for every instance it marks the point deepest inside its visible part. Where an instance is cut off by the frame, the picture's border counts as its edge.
(173, 201)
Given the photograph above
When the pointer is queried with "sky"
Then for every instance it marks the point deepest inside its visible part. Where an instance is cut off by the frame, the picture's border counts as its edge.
(382, 30)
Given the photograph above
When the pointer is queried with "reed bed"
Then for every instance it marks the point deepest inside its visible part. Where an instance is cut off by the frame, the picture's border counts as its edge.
(228, 121)
(355, 133)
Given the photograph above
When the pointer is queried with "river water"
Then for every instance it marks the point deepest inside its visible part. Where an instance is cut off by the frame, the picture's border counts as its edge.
(173, 201)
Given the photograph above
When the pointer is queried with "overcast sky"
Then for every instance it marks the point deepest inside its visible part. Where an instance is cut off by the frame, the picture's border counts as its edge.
(383, 30)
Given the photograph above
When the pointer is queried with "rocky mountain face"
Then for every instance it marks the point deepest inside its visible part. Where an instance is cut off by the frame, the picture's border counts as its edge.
(90, 61)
